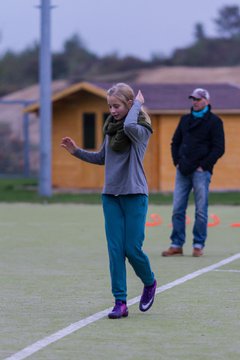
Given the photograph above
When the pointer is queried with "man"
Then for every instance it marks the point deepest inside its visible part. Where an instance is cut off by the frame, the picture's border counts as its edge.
(197, 144)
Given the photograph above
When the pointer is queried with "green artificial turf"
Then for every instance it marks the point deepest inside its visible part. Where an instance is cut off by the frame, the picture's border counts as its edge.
(14, 190)
(54, 272)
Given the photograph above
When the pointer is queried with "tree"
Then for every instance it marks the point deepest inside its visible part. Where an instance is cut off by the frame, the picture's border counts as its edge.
(199, 32)
(77, 57)
(11, 152)
(228, 21)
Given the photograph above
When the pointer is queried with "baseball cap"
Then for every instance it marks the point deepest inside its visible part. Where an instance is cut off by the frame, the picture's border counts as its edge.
(200, 93)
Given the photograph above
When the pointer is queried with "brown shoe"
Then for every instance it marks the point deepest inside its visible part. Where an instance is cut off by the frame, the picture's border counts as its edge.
(173, 251)
(197, 252)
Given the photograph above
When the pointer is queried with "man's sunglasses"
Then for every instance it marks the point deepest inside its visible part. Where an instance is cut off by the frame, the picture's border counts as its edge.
(195, 99)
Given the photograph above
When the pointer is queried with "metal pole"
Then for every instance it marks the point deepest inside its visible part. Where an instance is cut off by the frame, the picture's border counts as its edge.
(45, 176)
(26, 149)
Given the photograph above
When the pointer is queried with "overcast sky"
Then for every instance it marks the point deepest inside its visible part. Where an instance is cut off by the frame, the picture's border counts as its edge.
(128, 27)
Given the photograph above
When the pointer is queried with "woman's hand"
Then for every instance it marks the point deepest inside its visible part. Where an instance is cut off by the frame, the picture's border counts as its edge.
(140, 97)
(69, 144)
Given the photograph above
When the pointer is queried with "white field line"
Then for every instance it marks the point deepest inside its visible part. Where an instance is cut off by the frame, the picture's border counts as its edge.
(230, 270)
(37, 346)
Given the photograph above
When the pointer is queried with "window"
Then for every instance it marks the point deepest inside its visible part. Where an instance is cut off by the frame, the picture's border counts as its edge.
(89, 129)
(105, 116)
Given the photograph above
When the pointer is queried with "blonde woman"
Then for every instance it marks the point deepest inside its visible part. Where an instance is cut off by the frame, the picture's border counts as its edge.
(125, 192)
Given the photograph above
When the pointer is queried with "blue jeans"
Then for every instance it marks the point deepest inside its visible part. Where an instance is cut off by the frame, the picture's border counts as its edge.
(198, 181)
(125, 217)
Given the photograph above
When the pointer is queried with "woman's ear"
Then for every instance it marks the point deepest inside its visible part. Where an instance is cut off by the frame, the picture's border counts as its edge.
(130, 103)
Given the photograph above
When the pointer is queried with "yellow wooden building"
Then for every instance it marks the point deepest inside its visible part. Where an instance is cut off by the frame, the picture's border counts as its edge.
(79, 111)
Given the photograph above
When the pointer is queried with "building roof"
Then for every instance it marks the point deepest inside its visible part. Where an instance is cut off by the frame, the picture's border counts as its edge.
(164, 98)
(189, 74)
(174, 97)
(70, 90)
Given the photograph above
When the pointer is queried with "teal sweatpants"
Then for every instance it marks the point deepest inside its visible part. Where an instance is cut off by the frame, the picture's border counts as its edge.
(125, 217)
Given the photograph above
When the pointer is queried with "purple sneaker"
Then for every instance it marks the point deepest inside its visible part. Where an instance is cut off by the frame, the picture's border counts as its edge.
(120, 310)
(147, 297)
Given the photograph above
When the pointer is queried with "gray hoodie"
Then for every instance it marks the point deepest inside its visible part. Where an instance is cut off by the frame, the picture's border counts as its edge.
(124, 173)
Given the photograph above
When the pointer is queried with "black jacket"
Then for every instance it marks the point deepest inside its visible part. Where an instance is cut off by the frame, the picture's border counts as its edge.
(198, 142)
